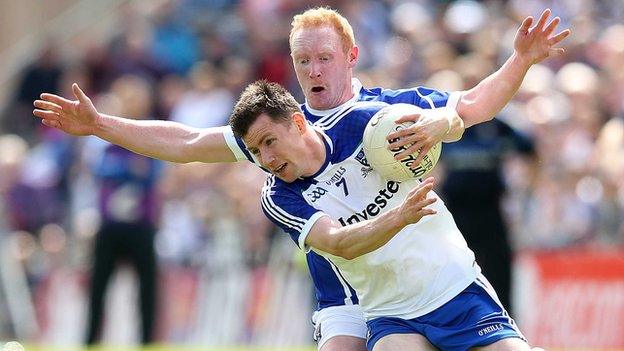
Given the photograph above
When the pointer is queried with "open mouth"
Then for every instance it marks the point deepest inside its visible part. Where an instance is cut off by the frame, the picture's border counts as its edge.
(317, 89)
(280, 168)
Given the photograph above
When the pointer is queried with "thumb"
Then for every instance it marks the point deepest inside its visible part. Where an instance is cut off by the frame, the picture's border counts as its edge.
(79, 94)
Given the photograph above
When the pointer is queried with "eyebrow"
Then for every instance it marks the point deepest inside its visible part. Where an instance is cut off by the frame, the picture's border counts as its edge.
(259, 143)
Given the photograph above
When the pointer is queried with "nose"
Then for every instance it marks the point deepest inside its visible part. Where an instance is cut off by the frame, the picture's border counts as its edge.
(315, 70)
(267, 159)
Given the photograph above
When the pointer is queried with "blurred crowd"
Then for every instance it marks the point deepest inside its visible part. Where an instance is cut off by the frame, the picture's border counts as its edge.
(187, 61)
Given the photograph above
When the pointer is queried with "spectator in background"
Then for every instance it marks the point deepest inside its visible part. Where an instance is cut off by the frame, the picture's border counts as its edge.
(131, 54)
(608, 152)
(14, 151)
(42, 75)
(174, 43)
(206, 104)
(128, 206)
(38, 192)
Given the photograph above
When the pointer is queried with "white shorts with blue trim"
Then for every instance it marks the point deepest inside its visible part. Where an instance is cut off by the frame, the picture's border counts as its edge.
(333, 321)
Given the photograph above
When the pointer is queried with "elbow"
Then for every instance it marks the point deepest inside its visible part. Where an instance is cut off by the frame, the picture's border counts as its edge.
(489, 117)
(349, 251)
(343, 250)
(471, 112)
(337, 241)
(476, 118)
(348, 254)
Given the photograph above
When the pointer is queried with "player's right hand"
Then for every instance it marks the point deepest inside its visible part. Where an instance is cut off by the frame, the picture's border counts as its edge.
(76, 117)
(414, 207)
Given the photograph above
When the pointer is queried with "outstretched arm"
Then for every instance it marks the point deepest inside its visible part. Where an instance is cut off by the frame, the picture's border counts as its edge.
(164, 140)
(531, 45)
(354, 240)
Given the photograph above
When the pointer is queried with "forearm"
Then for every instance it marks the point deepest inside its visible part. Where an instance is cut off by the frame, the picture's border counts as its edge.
(486, 99)
(165, 140)
(358, 239)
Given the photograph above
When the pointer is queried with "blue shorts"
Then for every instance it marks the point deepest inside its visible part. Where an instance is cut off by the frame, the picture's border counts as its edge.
(473, 318)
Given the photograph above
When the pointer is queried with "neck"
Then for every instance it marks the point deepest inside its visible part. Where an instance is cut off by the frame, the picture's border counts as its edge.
(315, 154)
(346, 97)
(347, 93)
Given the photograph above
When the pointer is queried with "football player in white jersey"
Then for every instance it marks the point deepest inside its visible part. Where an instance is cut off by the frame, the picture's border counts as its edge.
(324, 54)
(395, 243)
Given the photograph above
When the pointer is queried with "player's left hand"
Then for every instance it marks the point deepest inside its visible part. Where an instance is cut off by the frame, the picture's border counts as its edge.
(429, 128)
(534, 44)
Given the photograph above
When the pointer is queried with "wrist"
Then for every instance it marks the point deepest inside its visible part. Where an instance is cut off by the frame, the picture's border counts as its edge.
(397, 219)
(101, 123)
(521, 60)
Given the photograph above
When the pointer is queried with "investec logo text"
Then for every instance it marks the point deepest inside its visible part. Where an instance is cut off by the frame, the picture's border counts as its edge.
(374, 208)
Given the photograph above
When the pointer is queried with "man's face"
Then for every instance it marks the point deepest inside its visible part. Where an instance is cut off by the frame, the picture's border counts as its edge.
(278, 146)
(323, 69)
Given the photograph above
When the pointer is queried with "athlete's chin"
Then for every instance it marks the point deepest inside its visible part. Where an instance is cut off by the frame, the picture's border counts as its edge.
(319, 102)
(288, 177)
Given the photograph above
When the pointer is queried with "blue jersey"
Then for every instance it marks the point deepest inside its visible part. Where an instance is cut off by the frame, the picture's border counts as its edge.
(331, 287)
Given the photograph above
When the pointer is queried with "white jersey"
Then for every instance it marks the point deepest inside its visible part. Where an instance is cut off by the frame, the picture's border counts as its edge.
(331, 287)
(424, 266)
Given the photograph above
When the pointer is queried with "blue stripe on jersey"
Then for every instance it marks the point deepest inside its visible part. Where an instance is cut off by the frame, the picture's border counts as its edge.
(243, 148)
(280, 202)
(328, 121)
(420, 96)
(350, 127)
(329, 149)
(329, 286)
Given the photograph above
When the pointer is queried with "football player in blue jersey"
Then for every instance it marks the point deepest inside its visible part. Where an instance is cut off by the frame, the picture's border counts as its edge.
(324, 55)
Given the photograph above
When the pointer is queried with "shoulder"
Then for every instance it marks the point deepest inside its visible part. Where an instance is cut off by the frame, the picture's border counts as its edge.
(357, 114)
(421, 96)
(345, 130)
(277, 189)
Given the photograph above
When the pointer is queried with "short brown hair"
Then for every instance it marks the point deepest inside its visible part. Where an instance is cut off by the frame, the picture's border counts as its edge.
(321, 16)
(261, 97)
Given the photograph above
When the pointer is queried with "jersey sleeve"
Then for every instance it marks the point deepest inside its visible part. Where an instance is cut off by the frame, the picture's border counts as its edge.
(290, 212)
(422, 97)
(237, 146)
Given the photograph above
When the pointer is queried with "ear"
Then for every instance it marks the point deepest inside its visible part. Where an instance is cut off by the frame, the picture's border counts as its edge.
(300, 121)
(353, 56)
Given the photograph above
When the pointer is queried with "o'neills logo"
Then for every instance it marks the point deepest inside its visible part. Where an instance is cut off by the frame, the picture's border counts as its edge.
(490, 329)
(374, 208)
